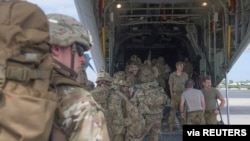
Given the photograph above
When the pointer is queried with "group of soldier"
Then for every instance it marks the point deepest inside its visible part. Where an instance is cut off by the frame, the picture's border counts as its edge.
(195, 107)
(134, 99)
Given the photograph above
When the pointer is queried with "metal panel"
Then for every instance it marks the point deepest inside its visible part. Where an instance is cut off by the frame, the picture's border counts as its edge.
(162, 1)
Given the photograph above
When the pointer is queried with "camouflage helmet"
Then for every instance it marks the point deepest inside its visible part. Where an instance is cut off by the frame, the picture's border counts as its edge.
(120, 75)
(161, 59)
(133, 68)
(133, 58)
(146, 74)
(123, 83)
(103, 76)
(65, 30)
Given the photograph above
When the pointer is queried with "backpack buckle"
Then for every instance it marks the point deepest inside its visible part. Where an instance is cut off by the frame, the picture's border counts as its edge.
(2, 76)
(2, 79)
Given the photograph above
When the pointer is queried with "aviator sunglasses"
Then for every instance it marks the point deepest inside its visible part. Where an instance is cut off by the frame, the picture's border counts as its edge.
(80, 49)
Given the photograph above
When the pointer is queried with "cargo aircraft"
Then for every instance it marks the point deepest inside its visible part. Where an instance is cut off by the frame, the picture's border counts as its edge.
(211, 33)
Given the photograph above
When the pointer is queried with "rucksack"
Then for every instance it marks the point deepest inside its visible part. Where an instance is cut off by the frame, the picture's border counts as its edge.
(27, 103)
(134, 121)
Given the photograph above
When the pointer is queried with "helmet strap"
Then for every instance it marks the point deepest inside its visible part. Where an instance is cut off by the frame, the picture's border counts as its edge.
(73, 52)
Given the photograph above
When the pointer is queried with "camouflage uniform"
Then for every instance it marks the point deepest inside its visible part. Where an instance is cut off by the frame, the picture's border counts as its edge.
(177, 83)
(115, 108)
(80, 117)
(101, 94)
(119, 75)
(134, 60)
(163, 70)
(195, 118)
(188, 67)
(83, 80)
(131, 77)
(150, 99)
(134, 123)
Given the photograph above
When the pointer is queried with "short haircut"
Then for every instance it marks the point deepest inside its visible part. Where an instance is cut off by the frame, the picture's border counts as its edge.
(179, 63)
(189, 83)
(206, 78)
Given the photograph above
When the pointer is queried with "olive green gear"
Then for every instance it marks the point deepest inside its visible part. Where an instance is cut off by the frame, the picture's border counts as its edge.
(65, 31)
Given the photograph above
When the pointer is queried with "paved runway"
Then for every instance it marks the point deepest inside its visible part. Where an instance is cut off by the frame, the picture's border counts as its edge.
(238, 111)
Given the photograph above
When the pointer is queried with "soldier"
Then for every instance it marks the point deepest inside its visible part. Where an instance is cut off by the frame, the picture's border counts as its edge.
(134, 123)
(188, 67)
(151, 100)
(116, 105)
(176, 83)
(211, 96)
(194, 100)
(135, 60)
(163, 70)
(101, 93)
(27, 102)
(119, 75)
(131, 78)
(80, 117)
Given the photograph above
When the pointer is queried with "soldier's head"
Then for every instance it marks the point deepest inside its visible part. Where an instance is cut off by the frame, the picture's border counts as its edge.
(146, 74)
(207, 83)
(134, 59)
(189, 83)
(103, 79)
(69, 39)
(179, 66)
(124, 85)
(133, 69)
(120, 75)
(161, 60)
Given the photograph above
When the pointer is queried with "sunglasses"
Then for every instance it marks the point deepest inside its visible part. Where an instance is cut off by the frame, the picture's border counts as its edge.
(80, 49)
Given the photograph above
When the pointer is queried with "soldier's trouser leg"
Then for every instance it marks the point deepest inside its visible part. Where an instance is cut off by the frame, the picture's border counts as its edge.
(155, 131)
(171, 119)
(210, 117)
(118, 137)
(195, 118)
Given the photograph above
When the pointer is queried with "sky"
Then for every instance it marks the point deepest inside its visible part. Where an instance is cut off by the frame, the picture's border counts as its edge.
(239, 72)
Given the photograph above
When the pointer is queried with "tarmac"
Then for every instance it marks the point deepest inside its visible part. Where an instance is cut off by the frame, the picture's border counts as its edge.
(235, 112)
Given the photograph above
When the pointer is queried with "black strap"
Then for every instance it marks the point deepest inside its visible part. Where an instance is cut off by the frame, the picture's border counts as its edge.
(219, 111)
